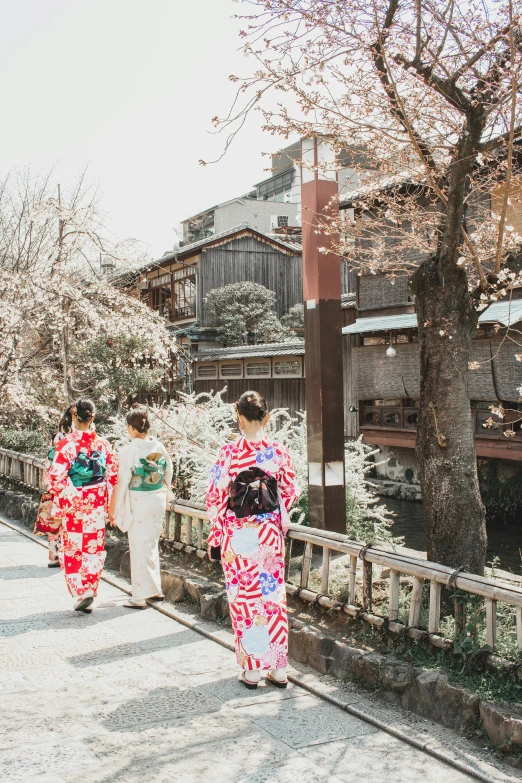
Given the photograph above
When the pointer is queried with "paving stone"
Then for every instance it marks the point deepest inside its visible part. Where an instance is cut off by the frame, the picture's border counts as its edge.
(230, 759)
(36, 760)
(291, 769)
(305, 721)
(232, 693)
(21, 627)
(378, 756)
(172, 640)
(197, 657)
(160, 706)
(14, 682)
(27, 661)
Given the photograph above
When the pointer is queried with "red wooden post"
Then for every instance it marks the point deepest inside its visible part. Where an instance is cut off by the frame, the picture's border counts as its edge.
(323, 341)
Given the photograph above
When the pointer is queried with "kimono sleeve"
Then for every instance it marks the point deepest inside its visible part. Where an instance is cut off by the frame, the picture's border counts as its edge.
(65, 494)
(286, 480)
(168, 472)
(217, 496)
(111, 471)
(123, 478)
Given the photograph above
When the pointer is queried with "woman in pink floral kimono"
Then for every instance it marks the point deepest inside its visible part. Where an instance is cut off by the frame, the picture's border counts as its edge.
(81, 480)
(251, 491)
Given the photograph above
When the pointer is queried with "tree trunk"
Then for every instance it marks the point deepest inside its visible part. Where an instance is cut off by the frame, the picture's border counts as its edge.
(454, 514)
(65, 339)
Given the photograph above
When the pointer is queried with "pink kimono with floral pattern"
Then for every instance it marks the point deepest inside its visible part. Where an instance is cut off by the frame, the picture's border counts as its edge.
(252, 554)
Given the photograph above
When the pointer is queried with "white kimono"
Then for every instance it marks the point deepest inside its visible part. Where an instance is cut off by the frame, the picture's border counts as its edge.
(141, 515)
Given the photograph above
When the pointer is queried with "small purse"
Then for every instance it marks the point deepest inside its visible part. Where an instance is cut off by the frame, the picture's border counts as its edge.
(215, 553)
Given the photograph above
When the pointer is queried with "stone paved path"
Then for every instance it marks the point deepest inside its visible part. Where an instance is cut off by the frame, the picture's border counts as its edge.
(135, 696)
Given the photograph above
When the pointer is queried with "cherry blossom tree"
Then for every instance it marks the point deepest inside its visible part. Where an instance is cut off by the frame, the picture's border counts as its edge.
(54, 300)
(421, 101)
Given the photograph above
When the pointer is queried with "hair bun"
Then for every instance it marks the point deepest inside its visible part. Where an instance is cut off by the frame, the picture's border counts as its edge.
(139, 419)
(85, 410)
(252, 406)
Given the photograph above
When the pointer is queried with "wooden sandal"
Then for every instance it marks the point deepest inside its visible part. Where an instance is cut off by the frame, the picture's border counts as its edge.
(252, 686)
(277, 683)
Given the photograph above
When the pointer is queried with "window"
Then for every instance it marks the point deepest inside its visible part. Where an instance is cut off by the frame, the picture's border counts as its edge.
(231, 369)
(258, 369)
(287, 367)
(275, 185)
(160, 298)
(185, 298)
(282, 220)
(206, 372)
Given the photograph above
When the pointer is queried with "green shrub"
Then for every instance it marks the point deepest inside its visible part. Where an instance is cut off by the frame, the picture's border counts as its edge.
(25, 441)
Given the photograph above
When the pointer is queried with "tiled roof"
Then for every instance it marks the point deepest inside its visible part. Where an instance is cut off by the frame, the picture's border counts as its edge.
(295, 248)
(506, 313)
(250, 351)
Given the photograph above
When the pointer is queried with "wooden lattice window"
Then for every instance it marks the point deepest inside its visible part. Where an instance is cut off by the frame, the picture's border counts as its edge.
(258, 368)
(206, 372)
(231, 369)
(287, 367)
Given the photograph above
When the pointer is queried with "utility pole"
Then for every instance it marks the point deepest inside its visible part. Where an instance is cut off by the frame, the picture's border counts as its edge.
(323, 340)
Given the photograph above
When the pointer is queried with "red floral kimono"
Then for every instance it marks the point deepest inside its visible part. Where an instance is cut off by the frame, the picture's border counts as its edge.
(82, 510)
(252, 554)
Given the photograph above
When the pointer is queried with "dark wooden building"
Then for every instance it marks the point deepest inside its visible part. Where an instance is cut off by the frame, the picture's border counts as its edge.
(177, 284)
(385, 388)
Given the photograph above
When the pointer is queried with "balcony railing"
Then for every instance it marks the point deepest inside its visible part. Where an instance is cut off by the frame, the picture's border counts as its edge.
(188, 311)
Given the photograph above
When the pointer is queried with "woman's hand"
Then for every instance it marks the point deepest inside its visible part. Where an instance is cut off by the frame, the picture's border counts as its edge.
(112, 520)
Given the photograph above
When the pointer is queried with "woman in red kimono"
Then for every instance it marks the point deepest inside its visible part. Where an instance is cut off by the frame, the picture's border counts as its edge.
(45, 524)
(251, 491)
(81, 479)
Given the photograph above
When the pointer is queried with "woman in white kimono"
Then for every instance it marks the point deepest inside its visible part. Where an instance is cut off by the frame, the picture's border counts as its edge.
(139, 503)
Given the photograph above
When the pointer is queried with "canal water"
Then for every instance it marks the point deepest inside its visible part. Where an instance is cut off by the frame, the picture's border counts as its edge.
(503, 542)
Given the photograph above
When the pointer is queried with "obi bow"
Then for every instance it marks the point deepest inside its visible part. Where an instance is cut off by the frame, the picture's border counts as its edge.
(88, 470)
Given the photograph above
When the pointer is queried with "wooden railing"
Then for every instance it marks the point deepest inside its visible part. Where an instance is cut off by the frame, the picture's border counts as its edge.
(23, 468)
(185, 531)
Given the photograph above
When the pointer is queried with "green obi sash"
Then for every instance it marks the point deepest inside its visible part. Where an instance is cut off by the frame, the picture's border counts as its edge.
(149, 475)
(86, 471)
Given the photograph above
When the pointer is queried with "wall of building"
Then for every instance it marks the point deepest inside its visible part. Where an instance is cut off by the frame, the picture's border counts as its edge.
(248, 258)
(255, 213)
(397, 464)
(278, 392)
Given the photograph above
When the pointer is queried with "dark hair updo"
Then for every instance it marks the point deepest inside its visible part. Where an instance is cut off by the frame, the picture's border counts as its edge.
(85, 410)
(139, 419)
(65, 423)
(252, 406)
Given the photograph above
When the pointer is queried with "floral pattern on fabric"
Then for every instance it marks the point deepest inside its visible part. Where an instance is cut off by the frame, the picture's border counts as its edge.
(252, 552)
(45, 523)
(82, 512)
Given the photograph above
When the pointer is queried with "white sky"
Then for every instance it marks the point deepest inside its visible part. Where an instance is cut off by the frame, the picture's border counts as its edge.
(128, 87)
